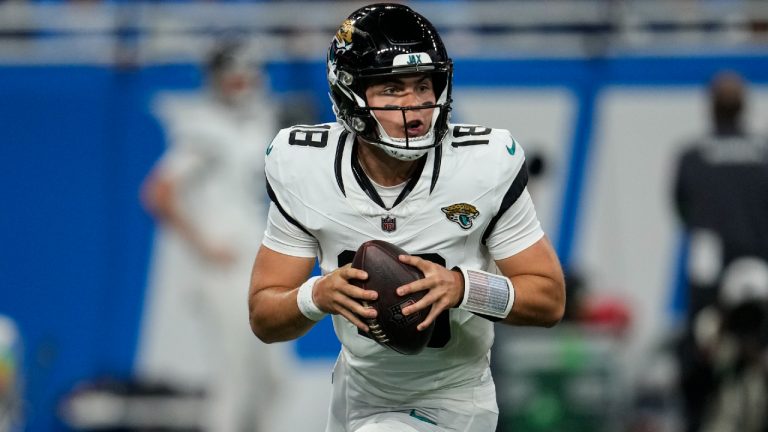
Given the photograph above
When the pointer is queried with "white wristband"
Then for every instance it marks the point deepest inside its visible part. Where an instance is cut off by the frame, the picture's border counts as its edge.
(307, 306)
(487, 293)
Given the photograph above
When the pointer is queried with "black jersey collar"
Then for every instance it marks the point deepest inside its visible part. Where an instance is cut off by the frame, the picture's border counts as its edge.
(365, 183)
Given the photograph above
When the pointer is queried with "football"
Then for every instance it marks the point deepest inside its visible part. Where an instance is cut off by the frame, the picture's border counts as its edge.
(386, 272)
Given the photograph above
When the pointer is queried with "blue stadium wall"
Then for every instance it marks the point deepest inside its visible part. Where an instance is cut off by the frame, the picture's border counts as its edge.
(77, 141)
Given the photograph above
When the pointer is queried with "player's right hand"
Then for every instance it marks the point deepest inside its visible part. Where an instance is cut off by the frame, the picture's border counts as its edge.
(333, 293)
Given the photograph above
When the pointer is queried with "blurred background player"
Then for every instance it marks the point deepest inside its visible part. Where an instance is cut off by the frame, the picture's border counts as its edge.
(207, 194)
(733, 336)
(721, 196)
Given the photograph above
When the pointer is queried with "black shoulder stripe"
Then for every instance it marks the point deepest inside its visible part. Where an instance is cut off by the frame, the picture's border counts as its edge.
(337, 163)
(285, 214)
(513, 193)
(436, 167)
(412, 181)
(363, 180)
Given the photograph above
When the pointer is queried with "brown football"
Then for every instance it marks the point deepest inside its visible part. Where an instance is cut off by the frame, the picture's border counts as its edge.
(386, 272)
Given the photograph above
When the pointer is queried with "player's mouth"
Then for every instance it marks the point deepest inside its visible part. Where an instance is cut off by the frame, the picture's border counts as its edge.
(416, 128)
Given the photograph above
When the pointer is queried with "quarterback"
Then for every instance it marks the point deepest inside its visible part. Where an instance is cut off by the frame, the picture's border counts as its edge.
(454, 196)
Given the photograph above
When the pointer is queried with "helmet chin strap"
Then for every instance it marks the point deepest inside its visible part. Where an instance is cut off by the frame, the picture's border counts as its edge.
(405, 155)
(394, 146)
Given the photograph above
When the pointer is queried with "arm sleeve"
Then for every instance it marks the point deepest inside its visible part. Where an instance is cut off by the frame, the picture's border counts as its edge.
(192, 143)
(517, 229)
(183, 161)
(283, 236)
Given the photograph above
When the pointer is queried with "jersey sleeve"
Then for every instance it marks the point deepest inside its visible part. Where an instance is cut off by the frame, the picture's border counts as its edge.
(515, 226)
(191, 145)
(183, 160)
(517, 229)
(286, 232)
(283, 236)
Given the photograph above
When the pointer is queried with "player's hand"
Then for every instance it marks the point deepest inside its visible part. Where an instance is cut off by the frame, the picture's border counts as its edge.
(334, 294)
(445, 289)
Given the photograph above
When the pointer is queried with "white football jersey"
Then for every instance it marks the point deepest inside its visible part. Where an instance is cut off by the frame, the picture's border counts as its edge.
(216, 156)
(447, 213)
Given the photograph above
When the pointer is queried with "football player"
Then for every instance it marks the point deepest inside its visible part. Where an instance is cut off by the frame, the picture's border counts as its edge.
(206, 192)
(453, 195)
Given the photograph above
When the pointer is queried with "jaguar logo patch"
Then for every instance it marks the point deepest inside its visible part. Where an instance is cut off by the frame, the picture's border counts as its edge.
(344, 35)
(463, 214)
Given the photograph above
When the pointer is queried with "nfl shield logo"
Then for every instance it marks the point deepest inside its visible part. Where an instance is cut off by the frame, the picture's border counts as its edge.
(388, 223)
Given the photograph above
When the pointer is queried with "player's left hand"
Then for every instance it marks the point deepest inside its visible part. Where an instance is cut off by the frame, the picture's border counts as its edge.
(445, 289)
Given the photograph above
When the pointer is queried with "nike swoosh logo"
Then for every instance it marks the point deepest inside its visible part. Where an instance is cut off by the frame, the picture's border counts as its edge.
(416, 415)
(510, 149)
(269, 149)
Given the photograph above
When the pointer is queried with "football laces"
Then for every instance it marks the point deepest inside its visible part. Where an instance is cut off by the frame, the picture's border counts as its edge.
(374, 327)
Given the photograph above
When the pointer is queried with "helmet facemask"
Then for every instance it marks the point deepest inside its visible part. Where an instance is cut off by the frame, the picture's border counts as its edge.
(362, 120)
(406, 148)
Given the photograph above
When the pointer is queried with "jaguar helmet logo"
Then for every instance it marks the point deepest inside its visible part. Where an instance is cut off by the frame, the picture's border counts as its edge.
(463, 214)
(343, 38)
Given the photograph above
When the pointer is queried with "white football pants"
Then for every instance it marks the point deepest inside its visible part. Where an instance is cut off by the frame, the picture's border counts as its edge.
(353, 409)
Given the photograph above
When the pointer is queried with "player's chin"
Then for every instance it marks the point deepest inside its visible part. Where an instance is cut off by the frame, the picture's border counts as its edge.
(416, 135)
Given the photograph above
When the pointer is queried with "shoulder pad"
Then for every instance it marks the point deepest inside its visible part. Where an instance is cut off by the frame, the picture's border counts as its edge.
(299, 140)
(462, 135)
(302, 148)
(488, 139)
(494, 150)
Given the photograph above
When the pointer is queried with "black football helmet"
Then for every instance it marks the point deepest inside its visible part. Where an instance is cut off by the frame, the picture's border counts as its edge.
(383, 40)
